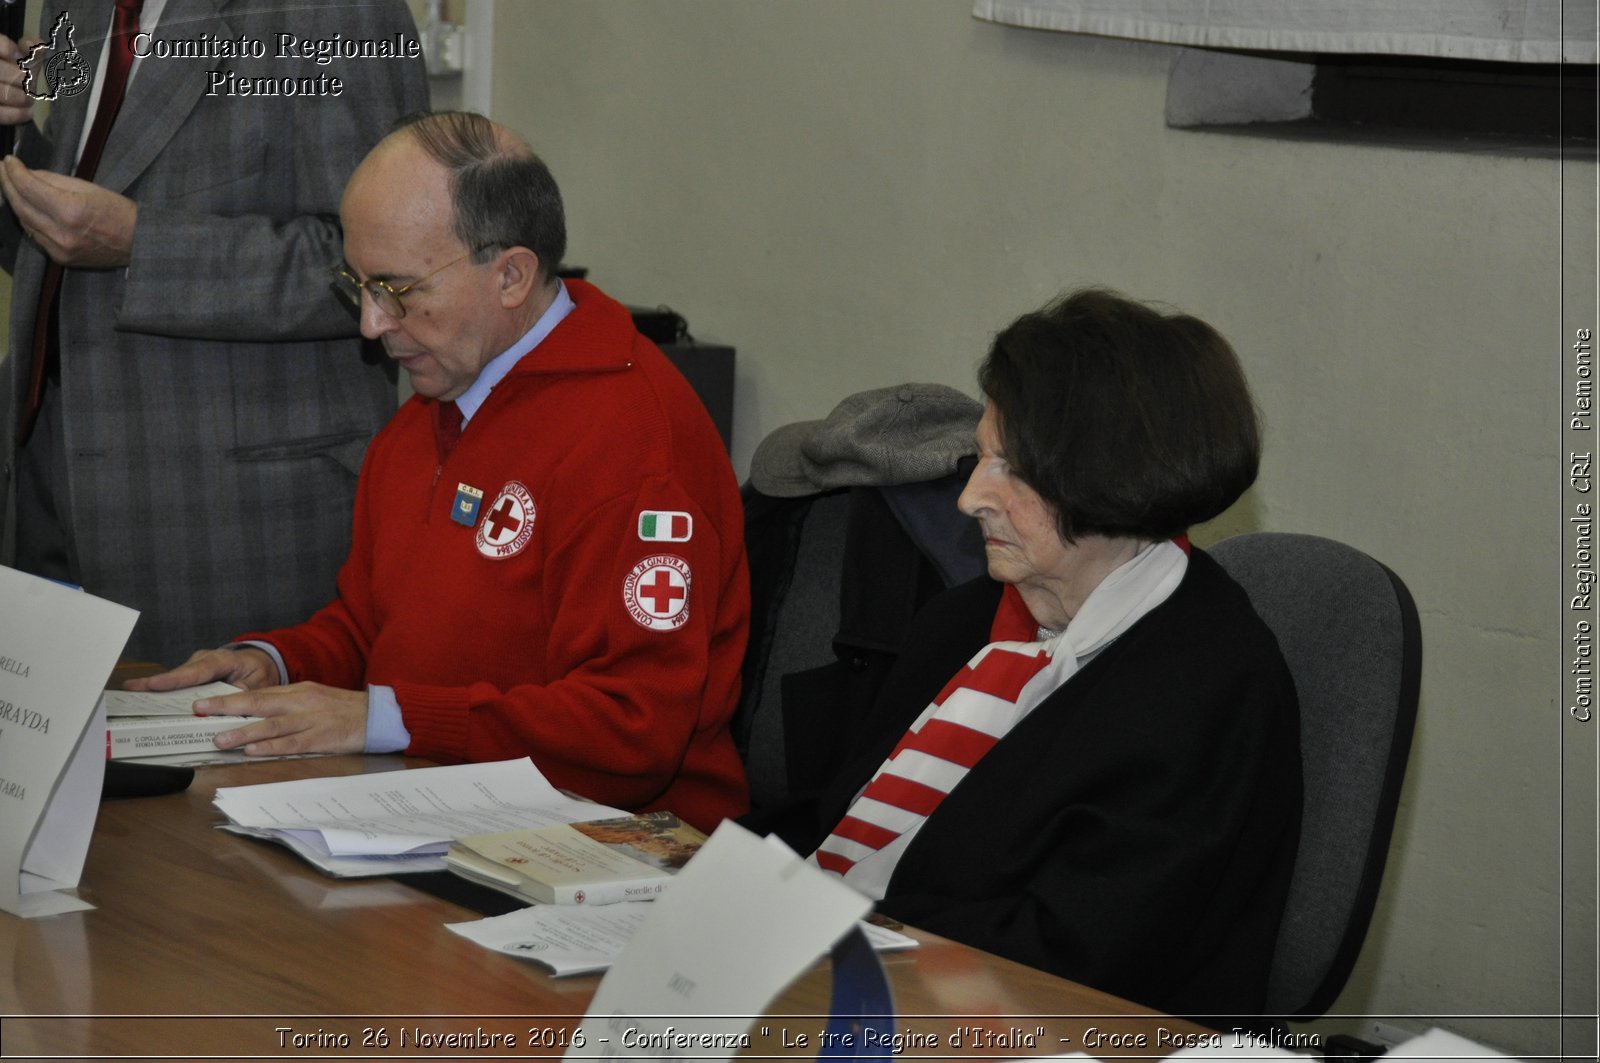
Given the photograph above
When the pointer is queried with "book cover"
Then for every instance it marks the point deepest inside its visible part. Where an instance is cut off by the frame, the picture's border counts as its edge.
(604, 861)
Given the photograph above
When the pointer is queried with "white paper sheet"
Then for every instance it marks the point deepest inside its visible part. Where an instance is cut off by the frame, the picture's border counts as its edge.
(575, 939)
(309, 847)
(338, 822)
(1442, 1046)
(566, 938)
(743, 919)
(57, 648)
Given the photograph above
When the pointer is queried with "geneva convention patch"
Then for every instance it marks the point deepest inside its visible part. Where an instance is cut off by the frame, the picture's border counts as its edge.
(656, 592)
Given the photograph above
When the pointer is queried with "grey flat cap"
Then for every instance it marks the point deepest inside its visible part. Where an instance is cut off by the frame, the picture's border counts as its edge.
(894, 435)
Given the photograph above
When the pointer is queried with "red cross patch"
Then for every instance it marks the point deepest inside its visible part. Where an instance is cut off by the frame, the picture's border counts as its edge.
(507, 523)
(656, 592)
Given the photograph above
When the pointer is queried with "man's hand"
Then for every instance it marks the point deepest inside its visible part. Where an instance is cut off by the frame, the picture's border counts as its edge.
(16, 107)
(244, 666)
(299, 718)
(76, 222)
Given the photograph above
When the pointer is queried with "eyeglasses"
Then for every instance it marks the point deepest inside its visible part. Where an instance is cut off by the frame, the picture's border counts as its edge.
(385, 295)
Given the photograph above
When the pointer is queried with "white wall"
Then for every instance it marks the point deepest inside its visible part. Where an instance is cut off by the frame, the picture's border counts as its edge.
(859, 194)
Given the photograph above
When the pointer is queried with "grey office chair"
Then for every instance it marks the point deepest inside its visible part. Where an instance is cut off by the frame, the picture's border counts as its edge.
(1349, 632)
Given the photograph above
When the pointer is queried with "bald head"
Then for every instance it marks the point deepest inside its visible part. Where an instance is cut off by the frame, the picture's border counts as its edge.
(400, 195)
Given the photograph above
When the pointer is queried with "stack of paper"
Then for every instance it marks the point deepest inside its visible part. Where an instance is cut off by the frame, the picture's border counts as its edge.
(399, 821)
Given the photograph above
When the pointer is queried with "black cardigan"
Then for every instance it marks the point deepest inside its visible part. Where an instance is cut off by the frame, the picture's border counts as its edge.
(1136, 831)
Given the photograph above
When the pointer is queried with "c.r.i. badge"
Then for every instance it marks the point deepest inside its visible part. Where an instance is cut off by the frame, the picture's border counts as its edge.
(469, 501)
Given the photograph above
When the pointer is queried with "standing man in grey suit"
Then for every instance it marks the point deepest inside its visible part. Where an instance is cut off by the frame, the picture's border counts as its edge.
(185, 403)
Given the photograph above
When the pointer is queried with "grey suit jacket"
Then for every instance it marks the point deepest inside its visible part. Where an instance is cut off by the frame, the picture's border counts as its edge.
(216, 398)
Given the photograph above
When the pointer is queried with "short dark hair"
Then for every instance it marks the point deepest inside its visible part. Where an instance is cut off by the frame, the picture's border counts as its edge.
(1126, 421)
(502, 198)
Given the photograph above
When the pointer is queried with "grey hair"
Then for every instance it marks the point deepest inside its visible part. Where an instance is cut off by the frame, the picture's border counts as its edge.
(502, 194)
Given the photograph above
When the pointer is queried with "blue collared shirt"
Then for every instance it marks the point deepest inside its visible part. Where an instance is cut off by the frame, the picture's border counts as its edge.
(471, 399)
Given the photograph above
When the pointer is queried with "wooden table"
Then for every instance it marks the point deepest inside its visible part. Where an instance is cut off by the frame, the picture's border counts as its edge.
(206, 944)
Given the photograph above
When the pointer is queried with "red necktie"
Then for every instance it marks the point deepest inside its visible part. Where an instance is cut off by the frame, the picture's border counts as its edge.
(119, 58)
(446, 427)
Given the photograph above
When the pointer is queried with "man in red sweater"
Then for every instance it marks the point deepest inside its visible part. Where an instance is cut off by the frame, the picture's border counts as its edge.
(547, 556)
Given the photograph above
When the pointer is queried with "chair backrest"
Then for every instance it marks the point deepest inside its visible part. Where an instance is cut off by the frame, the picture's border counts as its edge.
(1348, 629)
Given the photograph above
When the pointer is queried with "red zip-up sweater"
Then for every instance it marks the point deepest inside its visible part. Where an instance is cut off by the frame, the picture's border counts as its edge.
(570, 621)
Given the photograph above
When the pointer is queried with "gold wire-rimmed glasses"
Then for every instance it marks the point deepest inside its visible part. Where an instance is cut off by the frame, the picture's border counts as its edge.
(385, 295)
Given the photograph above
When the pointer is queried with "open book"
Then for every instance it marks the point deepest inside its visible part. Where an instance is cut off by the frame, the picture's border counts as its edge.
(602, 861)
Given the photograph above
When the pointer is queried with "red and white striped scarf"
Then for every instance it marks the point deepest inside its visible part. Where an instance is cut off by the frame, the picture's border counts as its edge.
(1001, 684)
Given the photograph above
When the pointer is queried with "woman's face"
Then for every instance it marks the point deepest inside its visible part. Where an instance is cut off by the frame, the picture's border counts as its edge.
(1019, 530)
(1055, 577)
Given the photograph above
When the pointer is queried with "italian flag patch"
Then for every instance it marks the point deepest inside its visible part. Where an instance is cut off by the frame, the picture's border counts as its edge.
(665, 526)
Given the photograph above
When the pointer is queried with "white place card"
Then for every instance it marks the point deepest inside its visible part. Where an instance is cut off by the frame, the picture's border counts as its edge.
(743, 919)
(57, 649)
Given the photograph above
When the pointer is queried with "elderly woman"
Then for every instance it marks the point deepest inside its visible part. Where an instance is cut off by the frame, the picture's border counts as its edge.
(1089, 762)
